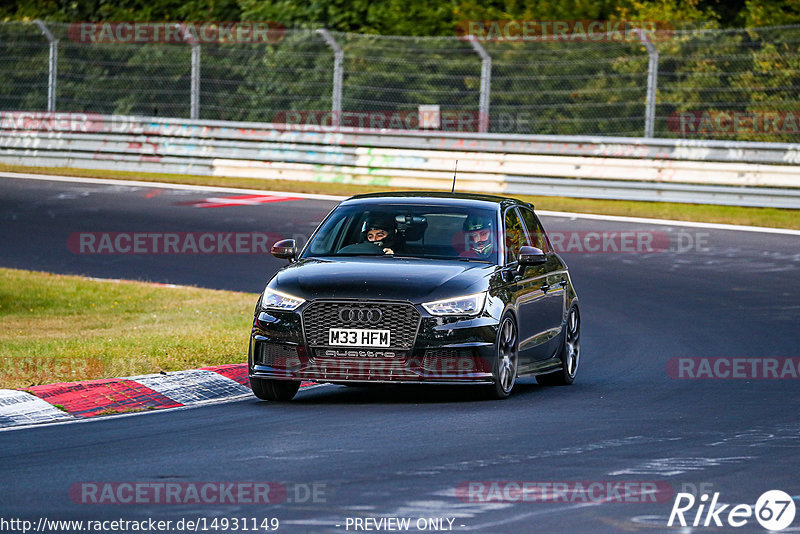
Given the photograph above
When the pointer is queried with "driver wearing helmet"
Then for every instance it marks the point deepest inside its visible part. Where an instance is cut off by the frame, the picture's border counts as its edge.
(381, 231)
(478, 235)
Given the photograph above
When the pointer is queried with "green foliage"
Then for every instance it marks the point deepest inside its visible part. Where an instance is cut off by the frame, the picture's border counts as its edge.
(537, 87)
(406, 17)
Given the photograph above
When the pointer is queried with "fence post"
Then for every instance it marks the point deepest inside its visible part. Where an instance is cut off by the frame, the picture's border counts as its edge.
(338, 74)
(52, 66)
(194, 112)
(652, 84)
(486, 84)
(194, 83)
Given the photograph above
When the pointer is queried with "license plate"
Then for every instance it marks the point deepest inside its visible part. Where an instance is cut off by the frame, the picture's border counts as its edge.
(358, 337)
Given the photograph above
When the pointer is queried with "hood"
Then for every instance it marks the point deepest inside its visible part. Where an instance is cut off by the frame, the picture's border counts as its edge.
(411, 279)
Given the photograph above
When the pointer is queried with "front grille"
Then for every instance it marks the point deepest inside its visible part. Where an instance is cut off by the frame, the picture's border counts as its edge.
(401, 319)
(277, 355)
(443, 359)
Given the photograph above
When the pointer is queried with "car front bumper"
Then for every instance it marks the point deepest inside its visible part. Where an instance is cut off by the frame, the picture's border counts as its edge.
(445, 350)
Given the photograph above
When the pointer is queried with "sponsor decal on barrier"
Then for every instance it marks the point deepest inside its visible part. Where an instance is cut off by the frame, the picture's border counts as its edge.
(565, 491)
(202, 32)
(733, 368)
(564, 30)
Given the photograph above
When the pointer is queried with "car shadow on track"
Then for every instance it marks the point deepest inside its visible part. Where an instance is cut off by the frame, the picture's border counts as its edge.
(407, 394)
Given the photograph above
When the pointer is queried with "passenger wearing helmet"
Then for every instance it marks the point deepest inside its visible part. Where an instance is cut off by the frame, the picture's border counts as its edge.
(478, 236)
(381, 231)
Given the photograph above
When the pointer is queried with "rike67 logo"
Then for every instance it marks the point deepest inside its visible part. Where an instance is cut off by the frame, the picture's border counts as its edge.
(774, 510)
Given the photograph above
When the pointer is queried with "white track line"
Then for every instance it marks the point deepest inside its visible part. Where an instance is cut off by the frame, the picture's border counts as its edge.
(639, 220)
(163, 185)
(670, 222)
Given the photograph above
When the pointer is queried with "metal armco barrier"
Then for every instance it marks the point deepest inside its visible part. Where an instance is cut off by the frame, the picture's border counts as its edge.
(716, 172)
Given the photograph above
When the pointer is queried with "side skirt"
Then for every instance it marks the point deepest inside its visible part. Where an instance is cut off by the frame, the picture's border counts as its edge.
(543, 367)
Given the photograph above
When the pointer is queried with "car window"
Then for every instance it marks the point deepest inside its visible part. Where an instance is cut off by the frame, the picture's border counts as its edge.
(534, 232)
(425, 231)
(326, 241)
(515, 236)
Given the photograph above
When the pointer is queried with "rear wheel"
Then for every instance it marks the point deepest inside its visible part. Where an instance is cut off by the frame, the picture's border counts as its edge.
(570, 353)
(274, 390)
(504, 371)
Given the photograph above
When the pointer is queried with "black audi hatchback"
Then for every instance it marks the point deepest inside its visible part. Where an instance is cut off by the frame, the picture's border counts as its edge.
(417, 288)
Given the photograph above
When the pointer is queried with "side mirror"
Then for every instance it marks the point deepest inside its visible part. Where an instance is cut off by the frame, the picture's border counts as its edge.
(531, 256)
(284, 249)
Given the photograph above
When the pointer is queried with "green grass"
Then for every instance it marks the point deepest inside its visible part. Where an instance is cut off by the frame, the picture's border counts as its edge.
(56, 328)
(772, 217)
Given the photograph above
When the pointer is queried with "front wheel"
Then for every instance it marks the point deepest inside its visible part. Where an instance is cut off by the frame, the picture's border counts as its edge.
(570, 353)
(274, 390)
(504, 370)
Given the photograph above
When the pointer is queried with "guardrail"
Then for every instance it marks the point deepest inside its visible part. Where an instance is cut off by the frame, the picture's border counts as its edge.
(718, 172)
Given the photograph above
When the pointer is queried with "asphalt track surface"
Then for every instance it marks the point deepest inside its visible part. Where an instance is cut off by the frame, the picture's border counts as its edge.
(402, 452)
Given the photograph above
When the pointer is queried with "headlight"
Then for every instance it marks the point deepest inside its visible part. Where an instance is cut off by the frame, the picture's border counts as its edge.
(280, 301)
(466, 305)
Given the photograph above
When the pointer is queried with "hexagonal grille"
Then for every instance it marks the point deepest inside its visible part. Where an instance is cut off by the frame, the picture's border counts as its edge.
(442, 359)
(276, 355)
(401, 319)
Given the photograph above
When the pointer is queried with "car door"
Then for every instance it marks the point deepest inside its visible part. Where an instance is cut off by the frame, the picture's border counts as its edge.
(554, 287)
(526, 293)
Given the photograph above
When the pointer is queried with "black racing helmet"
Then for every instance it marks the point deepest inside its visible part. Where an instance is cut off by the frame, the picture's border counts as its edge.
(380, 221)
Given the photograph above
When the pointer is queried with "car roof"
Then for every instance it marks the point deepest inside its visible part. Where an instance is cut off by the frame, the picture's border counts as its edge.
(441, 197)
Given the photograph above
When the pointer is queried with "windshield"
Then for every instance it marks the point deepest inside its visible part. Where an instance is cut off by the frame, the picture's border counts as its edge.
(420, 231)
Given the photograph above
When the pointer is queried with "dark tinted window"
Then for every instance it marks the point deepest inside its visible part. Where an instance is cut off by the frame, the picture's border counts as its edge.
(534, 233)
(424, 231)
(515, 235)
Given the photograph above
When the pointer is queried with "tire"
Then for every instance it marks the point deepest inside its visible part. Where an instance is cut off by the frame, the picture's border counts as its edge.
(570, 354)
(274, 390)
(504, 369)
